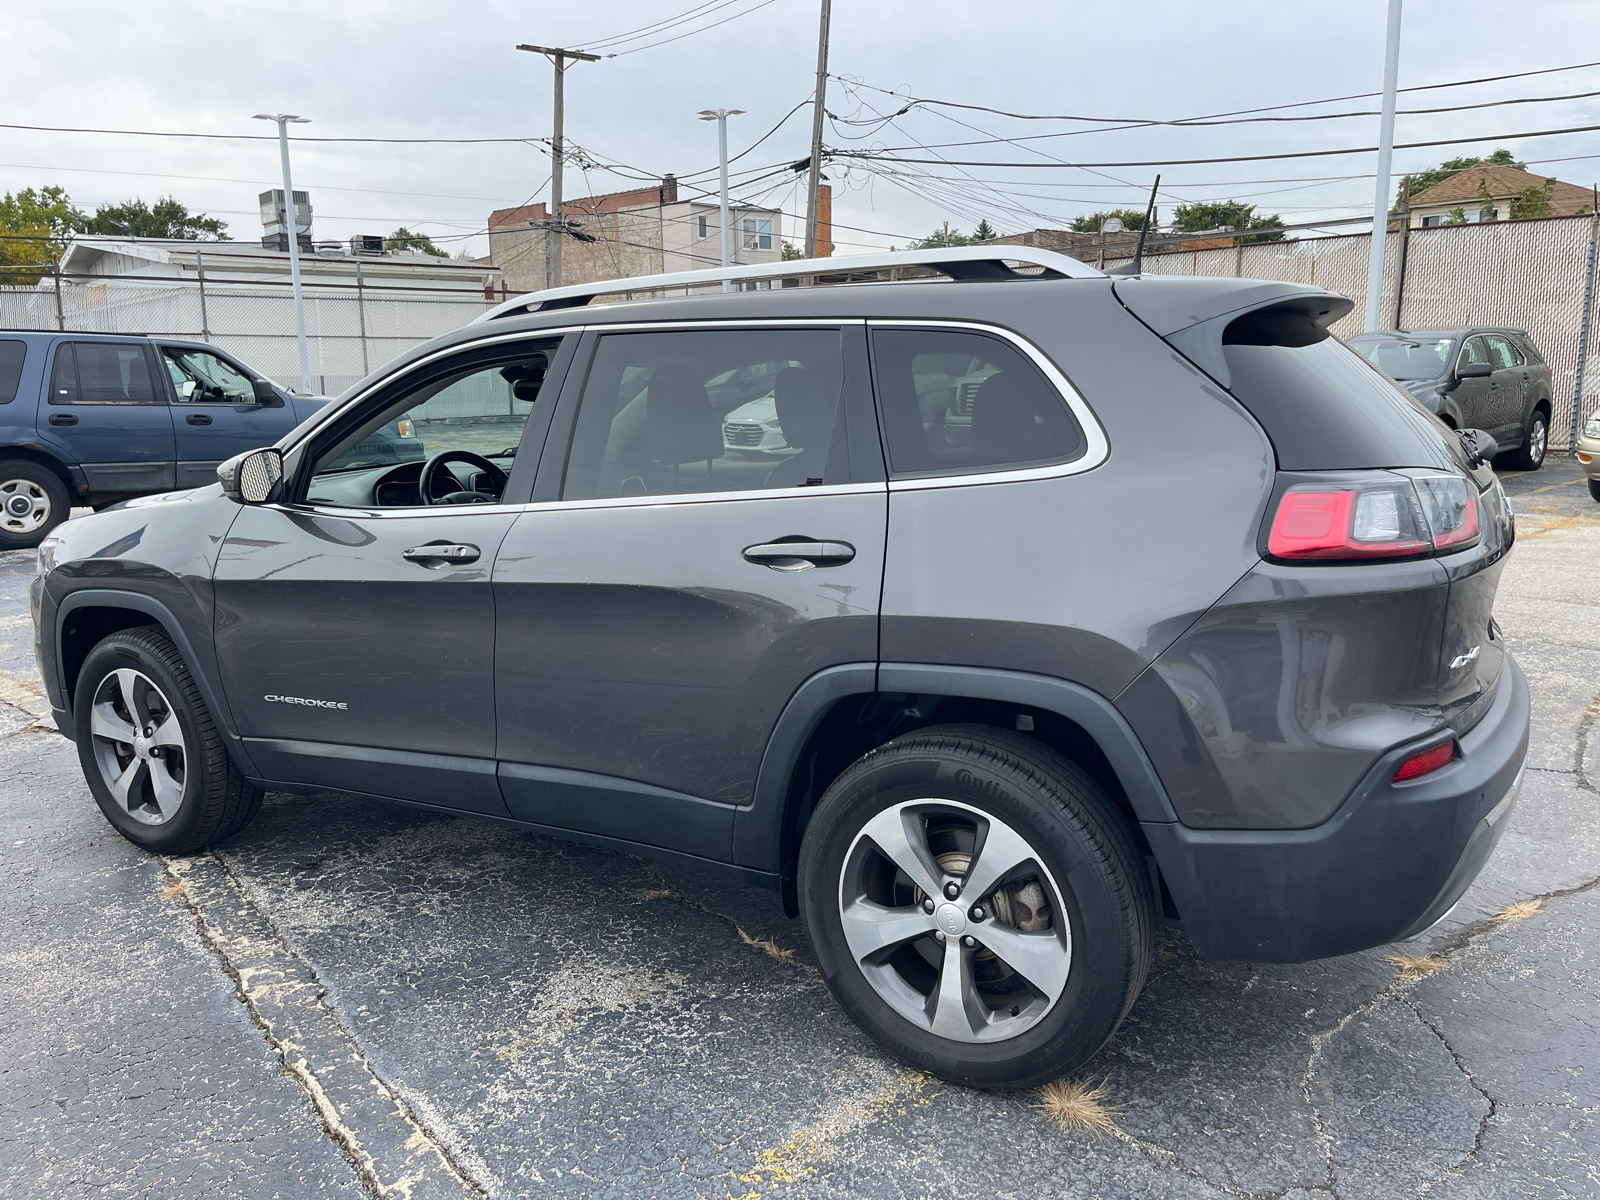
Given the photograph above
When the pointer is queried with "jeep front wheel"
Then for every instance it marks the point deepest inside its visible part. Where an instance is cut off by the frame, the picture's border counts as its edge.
(977, 905)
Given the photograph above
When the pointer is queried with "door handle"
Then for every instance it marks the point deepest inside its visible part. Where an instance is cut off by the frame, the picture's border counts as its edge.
(63, 419)
(798, 555)
(440, 554)
(197, 418)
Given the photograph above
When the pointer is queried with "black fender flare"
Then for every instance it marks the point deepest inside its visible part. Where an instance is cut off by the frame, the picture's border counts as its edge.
(170, 625)
(759, 826)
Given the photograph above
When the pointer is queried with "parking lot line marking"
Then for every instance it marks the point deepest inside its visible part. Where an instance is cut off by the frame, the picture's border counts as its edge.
(393, 1154)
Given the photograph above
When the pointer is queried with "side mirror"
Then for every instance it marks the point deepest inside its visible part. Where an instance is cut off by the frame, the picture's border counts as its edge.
(186, 389)
(265, 393)
(1474, 371)
(1480, 447)
(254, 477)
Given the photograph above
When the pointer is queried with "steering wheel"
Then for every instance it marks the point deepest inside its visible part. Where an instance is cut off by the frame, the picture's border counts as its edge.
(457, 496)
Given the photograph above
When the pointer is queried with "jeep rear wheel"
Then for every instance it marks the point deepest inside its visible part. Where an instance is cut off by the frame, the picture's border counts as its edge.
(150, 751)
(33, 501)
(977, 905)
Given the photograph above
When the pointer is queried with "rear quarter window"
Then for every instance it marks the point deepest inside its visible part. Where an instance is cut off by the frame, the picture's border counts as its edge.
(11, 355)
(1326, 408)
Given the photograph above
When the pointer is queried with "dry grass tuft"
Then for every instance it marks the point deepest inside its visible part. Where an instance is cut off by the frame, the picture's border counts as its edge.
(1519, 911)
(659, 894)
(767, 946)
(1414, 966)
(1075, 1106)
(171, 888)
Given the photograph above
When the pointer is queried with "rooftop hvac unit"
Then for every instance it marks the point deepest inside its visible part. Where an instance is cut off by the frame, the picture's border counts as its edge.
(366, 243)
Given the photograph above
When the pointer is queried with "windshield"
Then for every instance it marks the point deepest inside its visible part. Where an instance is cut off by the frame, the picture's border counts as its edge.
(1406, 358)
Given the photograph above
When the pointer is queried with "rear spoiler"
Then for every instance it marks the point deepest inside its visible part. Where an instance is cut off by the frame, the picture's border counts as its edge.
(1198, 316)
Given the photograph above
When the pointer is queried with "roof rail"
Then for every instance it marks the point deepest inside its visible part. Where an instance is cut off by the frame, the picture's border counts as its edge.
(958, 262)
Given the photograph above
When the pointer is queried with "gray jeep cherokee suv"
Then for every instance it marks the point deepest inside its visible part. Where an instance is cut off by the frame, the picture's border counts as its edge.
(1073, 600)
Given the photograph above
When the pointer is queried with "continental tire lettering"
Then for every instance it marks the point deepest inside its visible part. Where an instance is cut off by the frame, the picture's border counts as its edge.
(984, 787)
(340, 705)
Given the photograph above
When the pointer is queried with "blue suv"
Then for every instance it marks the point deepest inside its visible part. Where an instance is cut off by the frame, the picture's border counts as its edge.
(92, 419)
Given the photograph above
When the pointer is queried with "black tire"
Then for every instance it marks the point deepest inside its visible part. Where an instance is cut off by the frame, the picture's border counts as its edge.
(33, 501)
(1535, 444)
(1002, 784)
(1594, 489)
(188, 794)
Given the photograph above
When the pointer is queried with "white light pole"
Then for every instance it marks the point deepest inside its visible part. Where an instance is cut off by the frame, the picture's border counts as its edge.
(720, 116)
(284, 120)
(1380, 209)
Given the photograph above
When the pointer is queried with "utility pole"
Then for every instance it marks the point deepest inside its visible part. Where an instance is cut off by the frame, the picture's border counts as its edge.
(557, 227)
(290, 215)
(720, 116)
(814, 183)
(1380, 204)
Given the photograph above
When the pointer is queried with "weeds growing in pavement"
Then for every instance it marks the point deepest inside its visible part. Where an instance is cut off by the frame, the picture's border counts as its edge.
(1076, 1106)
(1519, 911)
(1414, 966)
(767, 946)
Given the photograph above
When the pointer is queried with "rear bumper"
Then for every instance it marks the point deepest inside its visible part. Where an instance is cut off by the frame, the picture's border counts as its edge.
(1391, 862)
(1589, 456)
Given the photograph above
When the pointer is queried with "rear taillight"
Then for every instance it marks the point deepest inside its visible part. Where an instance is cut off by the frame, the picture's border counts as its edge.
(1386, 517)
(1426, 762)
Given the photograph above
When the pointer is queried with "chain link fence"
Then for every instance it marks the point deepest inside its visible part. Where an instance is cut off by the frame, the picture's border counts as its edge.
(1530, 275)
(348, 334)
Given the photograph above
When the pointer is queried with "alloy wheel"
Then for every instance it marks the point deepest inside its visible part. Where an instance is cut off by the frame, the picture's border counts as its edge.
(1538, 441)
(955, 921)
(24, 506)
(138, 746)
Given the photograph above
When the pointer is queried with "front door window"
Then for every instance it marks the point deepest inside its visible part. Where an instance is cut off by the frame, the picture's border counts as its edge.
(200, 377)
(456, 435)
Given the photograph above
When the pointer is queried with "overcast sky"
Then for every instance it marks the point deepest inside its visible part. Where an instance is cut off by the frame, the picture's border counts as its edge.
(451, 71)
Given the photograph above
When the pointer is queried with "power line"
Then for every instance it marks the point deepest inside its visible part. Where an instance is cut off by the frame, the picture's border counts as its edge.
(867, 156)
(267, 137)
(657, 26)
(692, 32)
(1133, 121)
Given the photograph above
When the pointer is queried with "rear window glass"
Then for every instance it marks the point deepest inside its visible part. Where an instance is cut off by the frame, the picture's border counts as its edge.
(955, 402)
(11, 356)
(1325, 409)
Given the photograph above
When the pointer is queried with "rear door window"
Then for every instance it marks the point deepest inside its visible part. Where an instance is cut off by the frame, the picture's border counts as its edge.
(1502, 354)
(954, 402)
(11, 356)
(710, 410)
(103, 373)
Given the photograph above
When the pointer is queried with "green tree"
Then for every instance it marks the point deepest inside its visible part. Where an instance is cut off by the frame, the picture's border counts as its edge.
(166, 218)
(1214, 214)
(1131, 219)
(1421, 181)
(404, 239)
(1458, 216)
(34, 227)
(984, 232)
(792, 252)
(1534, 201)
(940, 238)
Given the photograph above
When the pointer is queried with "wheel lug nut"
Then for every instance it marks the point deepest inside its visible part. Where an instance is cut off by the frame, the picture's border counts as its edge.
(938, 935)
(969, 941)
(952, 890)
(976, 914)
(927, 906)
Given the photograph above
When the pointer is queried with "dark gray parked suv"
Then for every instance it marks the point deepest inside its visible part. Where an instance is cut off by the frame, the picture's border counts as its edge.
(1190, 611)
(1486, 378)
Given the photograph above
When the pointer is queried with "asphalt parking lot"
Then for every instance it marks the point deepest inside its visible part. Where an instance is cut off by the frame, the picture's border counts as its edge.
(354, 998)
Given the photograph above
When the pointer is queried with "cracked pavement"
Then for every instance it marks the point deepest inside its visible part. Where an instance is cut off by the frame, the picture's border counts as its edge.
(352, 998)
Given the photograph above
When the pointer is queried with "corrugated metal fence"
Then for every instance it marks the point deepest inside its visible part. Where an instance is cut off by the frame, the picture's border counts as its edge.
(1526, 274)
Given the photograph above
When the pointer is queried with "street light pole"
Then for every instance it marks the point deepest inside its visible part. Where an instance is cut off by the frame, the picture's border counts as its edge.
(720, 116)
(557, 226)
(284, 120)
(1380, 203)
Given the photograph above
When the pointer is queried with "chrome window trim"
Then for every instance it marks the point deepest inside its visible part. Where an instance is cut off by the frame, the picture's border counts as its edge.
(1097, 447)
(483, 510)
